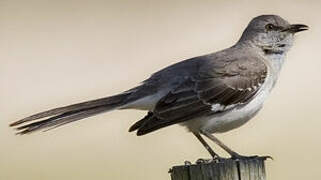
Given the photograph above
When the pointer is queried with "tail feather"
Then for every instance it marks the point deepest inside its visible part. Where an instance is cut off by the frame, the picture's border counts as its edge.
(64, 115)
(139, 123)
(93, 103)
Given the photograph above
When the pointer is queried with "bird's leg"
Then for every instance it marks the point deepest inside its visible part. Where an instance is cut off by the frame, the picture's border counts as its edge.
(218, 142)
(207, 147)
(233, 154)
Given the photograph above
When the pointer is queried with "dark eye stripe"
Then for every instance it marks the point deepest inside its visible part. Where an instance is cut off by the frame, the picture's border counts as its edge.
(269, 27)
(272, 27)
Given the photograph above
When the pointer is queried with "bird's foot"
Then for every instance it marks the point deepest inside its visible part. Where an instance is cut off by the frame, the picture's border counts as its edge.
(241, 157)
(187, 163)
(214, 159)
(203, 161)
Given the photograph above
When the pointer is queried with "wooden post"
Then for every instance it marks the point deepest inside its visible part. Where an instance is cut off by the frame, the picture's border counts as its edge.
(224, 169)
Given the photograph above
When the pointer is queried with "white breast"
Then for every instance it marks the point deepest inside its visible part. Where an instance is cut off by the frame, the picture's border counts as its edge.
(236, 117)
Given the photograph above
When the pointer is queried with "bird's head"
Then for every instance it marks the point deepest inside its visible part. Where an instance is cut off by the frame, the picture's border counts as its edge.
(271, 33)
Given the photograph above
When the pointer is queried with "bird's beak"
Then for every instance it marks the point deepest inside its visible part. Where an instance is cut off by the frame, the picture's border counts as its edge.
(294, 28)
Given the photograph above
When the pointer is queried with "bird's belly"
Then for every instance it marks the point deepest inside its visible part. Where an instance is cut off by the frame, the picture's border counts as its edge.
(227, 121)
(234, 118)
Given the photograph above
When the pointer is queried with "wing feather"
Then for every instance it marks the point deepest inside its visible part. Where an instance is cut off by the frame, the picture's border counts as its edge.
(229, 86)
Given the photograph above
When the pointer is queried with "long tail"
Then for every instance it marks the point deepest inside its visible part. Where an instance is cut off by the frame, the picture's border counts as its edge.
(64, 115)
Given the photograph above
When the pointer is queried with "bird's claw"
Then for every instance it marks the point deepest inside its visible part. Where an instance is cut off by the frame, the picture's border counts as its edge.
(267, 157)
(214, 159)
(241, 157)
(203, 161)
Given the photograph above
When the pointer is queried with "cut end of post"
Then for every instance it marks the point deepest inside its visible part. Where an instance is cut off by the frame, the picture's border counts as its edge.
(222, 169)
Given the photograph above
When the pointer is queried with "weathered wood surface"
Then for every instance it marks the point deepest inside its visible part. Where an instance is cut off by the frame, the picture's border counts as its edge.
(225, 169)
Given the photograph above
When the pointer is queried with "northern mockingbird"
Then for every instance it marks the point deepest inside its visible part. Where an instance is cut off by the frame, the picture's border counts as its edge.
(209, 94)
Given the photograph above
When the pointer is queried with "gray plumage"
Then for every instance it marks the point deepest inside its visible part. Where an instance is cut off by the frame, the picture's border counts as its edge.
(211, 93)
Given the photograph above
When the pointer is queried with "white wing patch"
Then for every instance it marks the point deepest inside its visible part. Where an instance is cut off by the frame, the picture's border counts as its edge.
(220, 107)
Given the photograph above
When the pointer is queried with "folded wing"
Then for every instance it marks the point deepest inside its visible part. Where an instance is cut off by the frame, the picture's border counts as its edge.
(212, 90)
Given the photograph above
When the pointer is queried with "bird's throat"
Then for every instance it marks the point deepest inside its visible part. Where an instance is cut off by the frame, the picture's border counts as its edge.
(273, 51)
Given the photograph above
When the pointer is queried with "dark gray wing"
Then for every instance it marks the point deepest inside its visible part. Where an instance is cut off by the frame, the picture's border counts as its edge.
(213, 89)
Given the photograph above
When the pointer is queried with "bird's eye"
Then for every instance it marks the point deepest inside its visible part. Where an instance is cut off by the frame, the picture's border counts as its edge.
(269, 27)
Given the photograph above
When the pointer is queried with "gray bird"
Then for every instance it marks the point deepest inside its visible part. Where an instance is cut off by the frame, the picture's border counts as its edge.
(209, 94)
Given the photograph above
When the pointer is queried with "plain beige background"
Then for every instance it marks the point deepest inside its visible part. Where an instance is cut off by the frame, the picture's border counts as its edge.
(55, 53)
